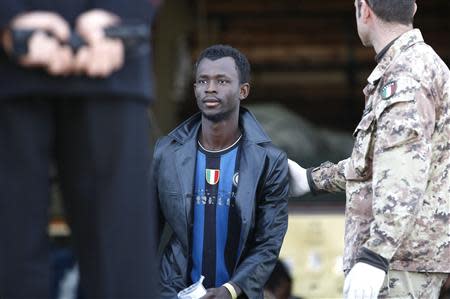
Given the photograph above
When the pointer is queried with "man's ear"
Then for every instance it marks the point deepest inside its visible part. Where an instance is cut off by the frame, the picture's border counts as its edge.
(244, 91)
(415, 8)
(195, 88)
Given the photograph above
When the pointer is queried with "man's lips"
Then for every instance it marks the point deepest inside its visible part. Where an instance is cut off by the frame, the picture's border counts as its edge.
(211, 102)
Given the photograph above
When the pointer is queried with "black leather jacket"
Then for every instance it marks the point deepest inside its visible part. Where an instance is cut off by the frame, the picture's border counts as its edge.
(261, 199)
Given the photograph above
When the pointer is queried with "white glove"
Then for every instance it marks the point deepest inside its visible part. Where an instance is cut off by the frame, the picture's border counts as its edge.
(298, 181)
(363, 282)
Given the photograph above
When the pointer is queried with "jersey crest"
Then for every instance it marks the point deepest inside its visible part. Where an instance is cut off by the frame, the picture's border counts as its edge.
(212, 176)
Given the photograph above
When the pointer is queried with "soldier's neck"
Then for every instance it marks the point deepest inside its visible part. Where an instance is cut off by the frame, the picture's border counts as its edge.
(384, 34)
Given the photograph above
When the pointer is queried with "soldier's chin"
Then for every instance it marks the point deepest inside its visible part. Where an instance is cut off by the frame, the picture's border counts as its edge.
(366, 43)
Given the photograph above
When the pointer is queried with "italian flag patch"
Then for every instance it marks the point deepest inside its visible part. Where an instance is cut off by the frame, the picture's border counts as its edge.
(388, 90)
(212, 176)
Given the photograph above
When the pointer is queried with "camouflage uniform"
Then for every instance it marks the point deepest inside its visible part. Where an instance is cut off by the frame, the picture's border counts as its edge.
(397, 180)
(411, 285)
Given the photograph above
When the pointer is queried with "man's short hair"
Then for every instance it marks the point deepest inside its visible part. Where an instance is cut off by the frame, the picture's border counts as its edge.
(392, 11)
(220, 51)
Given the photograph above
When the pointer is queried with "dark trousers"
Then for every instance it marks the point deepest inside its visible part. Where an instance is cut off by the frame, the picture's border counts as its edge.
(101, 149)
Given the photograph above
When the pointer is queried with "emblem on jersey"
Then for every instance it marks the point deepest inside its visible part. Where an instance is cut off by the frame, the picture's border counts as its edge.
(388, 90)
(212, 176)
(236, 179)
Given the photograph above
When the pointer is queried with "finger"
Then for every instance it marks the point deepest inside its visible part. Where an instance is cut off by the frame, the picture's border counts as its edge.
(58, 27)
(81, 60)
(350, 294)
(62, 63)
(366, 293)
(208, 294)
(346, 285)
(99, 68)
(294, 166)
(102, 66)
(291, 166)
(90, 24)
(41, 48)
(105, 59)
(45, 21)
(119, 53)
(55, 66)
(358, 293)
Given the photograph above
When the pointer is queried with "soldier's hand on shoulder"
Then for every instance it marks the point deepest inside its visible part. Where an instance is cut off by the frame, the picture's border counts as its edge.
(298, 182)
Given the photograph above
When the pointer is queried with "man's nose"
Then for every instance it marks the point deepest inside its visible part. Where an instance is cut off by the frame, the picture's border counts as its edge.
(211, 86)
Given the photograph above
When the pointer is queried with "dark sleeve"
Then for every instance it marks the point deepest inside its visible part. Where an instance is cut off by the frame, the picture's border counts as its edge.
(311, 184)
(270, 227)
(8, 10)
(154, 185)
(136, 11)
(169, 280)
(369, 257)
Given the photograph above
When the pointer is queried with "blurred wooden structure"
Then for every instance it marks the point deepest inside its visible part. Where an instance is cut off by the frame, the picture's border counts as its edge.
(305, 54)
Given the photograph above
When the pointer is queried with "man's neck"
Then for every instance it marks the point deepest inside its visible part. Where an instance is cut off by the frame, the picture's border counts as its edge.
(220, 135)
(386, 33)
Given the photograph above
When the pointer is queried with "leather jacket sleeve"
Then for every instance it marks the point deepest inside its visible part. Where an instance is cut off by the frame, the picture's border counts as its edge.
(271, 220)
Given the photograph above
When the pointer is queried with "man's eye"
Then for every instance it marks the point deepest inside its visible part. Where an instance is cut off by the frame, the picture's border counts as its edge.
(222, 81)
(201, 81)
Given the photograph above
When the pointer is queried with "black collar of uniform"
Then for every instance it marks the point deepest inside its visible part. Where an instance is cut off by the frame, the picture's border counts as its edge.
(380, 55)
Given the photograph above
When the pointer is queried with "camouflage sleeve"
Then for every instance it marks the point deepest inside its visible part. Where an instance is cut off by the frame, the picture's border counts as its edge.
(328, 177)
(401, 162)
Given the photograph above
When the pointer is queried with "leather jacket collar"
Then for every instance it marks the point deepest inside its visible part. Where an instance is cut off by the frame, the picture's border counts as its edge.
(253, 131)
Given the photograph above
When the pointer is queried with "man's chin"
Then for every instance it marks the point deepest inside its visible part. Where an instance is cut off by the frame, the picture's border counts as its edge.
(215, 117)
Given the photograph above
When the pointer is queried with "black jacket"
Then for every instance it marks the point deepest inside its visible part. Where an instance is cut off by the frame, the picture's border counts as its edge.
(261, 199)
(134, 79)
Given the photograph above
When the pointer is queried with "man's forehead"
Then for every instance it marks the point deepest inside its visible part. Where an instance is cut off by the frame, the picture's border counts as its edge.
(224, 64)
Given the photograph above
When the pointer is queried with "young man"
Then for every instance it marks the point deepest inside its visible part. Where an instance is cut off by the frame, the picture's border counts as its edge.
(396, 180)
(222, 188)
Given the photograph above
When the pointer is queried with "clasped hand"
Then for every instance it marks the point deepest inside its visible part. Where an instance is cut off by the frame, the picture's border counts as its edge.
(100, 57)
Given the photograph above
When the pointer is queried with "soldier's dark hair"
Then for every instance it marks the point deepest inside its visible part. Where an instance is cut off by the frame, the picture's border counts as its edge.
(392, 11)
(220, 51)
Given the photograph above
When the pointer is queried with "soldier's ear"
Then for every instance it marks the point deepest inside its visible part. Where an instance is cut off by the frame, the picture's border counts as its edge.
(366, 12)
